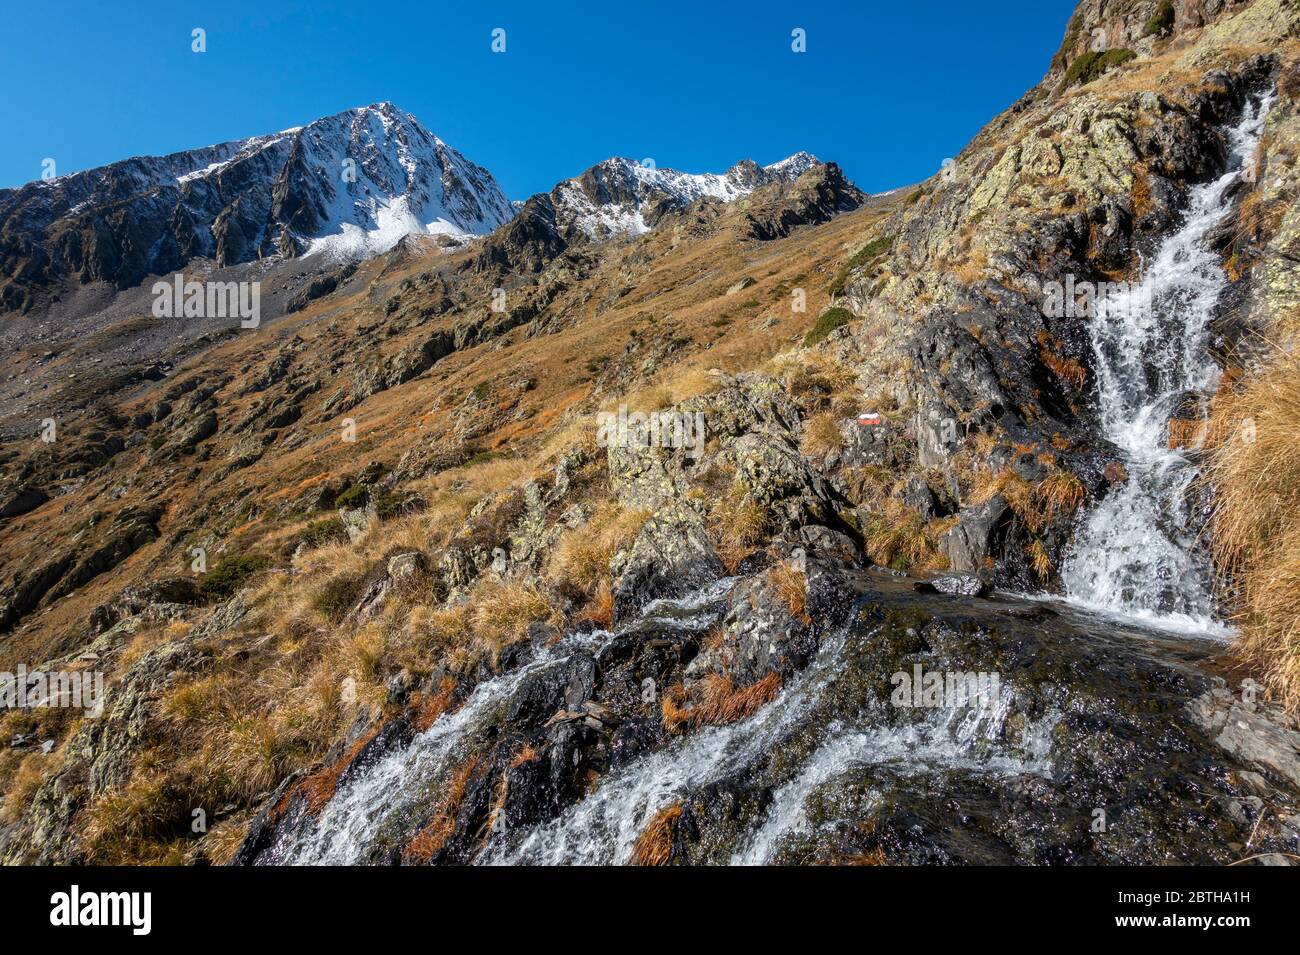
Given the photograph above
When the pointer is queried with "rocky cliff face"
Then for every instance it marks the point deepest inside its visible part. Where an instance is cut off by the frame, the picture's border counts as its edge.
(349, 185)
(1074, 183)
(625, 197)
(620, 198)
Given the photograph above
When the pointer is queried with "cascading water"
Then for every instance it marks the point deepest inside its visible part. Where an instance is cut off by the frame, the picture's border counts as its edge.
(383, 798)
(384, 802)
(602, 829)
(1139, 552)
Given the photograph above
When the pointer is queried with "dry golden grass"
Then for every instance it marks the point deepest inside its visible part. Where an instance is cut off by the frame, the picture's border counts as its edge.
(600, 609)
(1059, 493)
(583, 554)
(1066, 369)
(814, 377)
(655, 844)
(1255, 470)
(972, 269)
(27, 778)
(318, 788)
(721, 703)
(1018, 493)
(715, 701)
(502, 611)
(1140, 192)
(736, 523)
(1039, 559)
(1190, 434)
(869, 484)
(822, 435)
(791, 588)
(149, 809)
(222, 841)
(427, 708)
(900, 539)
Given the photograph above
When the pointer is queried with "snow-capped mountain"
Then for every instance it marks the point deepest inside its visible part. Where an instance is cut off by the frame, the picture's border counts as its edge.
(350, 185)
(625, 197)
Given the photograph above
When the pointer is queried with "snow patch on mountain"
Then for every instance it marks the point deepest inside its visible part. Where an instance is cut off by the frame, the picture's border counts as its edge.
(389, 177)
(621, 196)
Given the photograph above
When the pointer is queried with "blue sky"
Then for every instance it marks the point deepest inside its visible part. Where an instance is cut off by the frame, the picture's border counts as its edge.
(886, 89)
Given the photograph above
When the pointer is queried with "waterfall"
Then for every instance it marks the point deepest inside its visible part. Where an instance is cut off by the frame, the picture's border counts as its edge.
(1139, 553)
(384, 803)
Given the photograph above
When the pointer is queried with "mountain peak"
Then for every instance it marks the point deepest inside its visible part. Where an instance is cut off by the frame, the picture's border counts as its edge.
(349, 185)
(622, 196)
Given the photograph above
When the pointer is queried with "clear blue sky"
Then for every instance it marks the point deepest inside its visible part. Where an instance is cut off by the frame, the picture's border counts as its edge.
(886, 89)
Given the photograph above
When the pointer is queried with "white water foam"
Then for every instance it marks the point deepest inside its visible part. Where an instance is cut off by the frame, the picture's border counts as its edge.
(1139, 553)
(954, 739)
(354, 818)
(603, 828)
(386, 794)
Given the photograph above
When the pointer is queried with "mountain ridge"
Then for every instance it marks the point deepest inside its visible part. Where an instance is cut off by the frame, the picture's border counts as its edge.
(351, 184)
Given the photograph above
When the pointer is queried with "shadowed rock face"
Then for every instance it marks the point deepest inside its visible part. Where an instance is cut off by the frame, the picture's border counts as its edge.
(375, 169)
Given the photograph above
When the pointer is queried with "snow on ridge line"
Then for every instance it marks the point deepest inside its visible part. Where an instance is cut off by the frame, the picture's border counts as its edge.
(645, 182)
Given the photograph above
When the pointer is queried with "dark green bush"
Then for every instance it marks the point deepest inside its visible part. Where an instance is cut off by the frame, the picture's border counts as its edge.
(1162, 21)
(827, 322)
(1088, 66)
(354, 497)
(327, 531)
(230, 573)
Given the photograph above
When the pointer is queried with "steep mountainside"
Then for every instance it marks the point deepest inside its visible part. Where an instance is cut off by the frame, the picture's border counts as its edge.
(638, 529)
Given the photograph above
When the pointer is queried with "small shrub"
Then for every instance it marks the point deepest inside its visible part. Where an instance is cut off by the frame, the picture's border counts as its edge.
(1090, 65)
(1162, 21)
(827, 322)
(230, 573)
(327, 531)
(865, 255)
(354, 497)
